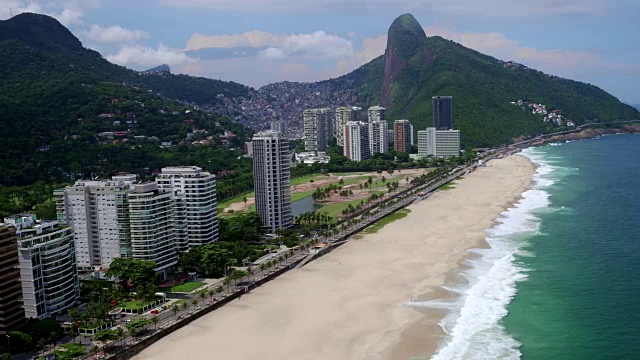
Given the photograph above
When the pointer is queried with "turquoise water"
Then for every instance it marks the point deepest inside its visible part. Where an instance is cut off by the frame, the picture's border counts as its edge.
(562, 277)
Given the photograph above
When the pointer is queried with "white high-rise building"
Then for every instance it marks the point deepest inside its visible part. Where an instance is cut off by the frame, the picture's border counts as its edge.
(152, 226)
(279, 125)
(356, 141)
(194, 194)
(318, 129)
(272, 180)
(438, 143)
(378, 137)
(376, 113)
(96, 210)
(48, 270)
(119, 218)
(342, 117)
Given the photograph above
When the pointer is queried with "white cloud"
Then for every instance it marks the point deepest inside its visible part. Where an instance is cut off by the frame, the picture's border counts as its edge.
(113, 34)
(66, 12)
(139, 56)
(255, 38)
(315, 45)
(469, 7)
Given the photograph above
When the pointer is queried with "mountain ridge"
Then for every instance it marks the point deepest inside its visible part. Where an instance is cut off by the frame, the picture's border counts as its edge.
(483, 88)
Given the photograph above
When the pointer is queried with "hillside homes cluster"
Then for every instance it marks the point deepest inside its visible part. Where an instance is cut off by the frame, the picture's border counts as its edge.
(554, 117)
(288, 99)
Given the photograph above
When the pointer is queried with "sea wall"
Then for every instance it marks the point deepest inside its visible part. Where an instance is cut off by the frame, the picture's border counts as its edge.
(589, 133)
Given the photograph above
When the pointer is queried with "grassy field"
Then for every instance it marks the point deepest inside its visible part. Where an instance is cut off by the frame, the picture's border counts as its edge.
(186, 287)
(235, 199)
(387, 220)
(134, 304)
(447, 186)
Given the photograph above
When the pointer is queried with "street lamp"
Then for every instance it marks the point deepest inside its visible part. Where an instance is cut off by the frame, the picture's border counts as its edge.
(9, 343)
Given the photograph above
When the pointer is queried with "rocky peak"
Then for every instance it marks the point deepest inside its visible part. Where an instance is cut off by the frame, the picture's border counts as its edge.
(405, 39)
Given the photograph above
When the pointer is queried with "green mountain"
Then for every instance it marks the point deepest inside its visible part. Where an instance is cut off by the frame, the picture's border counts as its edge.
(416, 67)
(68, 113)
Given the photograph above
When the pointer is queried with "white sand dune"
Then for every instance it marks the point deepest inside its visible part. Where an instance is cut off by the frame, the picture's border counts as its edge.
(349, 304)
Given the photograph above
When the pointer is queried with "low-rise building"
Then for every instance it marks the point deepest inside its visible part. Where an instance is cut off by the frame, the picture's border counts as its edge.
(311, 157)
(438, 143)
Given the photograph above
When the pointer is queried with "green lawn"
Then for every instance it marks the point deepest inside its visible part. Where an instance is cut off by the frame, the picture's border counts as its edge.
(386, 220)
(306, 179)
(300, 195)
(235, 199)
(187, 286)
(134, 304)
(69, 351)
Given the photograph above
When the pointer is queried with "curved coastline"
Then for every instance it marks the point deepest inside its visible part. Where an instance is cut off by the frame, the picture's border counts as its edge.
(357, 302)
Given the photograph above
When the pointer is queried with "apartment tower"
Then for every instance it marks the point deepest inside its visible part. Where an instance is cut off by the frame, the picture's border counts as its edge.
(356, 141)
(11, 312)
(442, 112)
(402, 135)
(272, 180)
(378, 137)
(279, 125)
(97, 211)
(318, 129)
(48, 270)
(195, 201)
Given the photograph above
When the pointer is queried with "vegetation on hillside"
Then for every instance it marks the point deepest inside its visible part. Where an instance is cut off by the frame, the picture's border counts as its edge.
(482, 88)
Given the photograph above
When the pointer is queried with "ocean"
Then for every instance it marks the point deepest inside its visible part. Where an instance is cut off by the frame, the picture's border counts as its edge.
(562, 277)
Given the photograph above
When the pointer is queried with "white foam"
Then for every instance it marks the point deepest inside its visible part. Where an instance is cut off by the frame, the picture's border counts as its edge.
(473, 323)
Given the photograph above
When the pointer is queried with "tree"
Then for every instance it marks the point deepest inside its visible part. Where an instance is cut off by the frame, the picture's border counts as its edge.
(194, 302)
(135, 271)
(53, 339)
(211, 293)
(245, 203)
(42, 345)
(175, 309)
(155, 320)
(19, 341)
(203, 295)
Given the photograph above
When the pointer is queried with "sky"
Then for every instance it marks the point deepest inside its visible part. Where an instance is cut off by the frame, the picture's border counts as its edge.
(256, 42)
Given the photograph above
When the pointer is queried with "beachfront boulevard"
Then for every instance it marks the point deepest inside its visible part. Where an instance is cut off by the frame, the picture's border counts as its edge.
(202, 302)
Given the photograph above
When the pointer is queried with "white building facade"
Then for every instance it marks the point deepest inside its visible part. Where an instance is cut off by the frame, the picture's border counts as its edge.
(318, 129)
(356, 141)
(93, 209)
(272, 180)
(194, 193)
(376, 113)
(152, 226)
(48, 271)
(378, 137)
(438, 143)
(342, 116)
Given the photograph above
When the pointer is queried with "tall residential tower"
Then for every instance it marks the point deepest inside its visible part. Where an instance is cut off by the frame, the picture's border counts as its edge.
(272, 180)
(442, 112)
(402, 135)
(318, 129)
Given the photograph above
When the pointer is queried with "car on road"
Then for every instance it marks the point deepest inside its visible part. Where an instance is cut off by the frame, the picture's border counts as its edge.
(127, 321)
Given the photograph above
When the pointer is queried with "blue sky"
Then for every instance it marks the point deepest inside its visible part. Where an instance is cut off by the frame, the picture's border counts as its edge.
(256, 42)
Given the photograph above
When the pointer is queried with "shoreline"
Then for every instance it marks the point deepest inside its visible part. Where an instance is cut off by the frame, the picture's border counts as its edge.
(355, 298)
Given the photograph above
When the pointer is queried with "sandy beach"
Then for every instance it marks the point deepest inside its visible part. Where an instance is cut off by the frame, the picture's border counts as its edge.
(351, 304)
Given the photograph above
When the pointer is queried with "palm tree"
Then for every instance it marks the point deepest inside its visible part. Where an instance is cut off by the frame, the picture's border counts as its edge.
(154, 320)
(211, 293)
(42, 345)
(175, 309)
(185, 306)
(203, 295)
(120, 333)
(194, 302)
